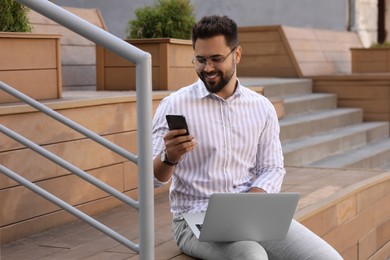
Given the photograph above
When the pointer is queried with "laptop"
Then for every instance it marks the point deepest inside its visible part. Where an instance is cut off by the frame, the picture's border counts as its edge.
(244, 216)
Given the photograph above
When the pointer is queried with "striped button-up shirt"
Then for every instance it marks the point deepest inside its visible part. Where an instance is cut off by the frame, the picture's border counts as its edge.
(238, 145)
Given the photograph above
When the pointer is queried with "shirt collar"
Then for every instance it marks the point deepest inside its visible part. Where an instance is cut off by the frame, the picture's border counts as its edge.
(203, 92)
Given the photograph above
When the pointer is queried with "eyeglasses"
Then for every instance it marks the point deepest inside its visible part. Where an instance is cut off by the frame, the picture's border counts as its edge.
(200, 62)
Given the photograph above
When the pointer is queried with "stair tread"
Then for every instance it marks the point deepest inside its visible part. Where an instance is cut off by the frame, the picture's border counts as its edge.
(355, 155)
(313, 127)
(317, 115)
(305, 97)
(293, 145)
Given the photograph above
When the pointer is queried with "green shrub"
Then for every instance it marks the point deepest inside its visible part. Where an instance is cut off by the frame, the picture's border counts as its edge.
(13, 17)
(165, 19)
(380, 45)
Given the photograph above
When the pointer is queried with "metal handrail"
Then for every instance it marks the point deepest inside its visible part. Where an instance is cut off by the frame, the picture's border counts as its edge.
(62, 204)
(70, 167)
(144, 109)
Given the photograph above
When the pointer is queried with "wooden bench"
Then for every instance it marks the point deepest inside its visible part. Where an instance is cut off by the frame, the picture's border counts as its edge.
(281, 51)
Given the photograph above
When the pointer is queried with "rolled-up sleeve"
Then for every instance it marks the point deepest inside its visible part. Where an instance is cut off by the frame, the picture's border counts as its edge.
(160, 128)
(270, 169)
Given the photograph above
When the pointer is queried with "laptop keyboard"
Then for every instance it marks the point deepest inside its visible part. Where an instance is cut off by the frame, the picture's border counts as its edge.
(199, 226)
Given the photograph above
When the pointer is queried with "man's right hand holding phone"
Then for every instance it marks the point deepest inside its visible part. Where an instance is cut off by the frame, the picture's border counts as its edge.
(178, 143)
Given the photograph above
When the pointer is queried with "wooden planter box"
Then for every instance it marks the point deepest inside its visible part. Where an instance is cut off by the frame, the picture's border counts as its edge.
(30, 63)
(366, 60)
(171, 65)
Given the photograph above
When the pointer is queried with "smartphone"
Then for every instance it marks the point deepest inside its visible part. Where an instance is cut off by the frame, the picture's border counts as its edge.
(177, 122)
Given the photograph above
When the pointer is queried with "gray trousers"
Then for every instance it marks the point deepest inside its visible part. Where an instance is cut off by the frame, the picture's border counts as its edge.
(300, 244)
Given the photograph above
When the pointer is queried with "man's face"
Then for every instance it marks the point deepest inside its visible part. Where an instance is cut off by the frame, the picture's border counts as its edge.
(215, 63)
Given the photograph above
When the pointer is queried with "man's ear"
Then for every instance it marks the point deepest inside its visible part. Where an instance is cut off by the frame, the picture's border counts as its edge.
(237, 54)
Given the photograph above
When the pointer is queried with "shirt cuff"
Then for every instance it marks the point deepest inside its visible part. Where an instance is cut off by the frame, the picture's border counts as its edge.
(158, 183)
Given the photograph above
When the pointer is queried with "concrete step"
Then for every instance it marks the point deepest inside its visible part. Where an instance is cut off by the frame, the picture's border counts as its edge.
(295, 127)
(386, 166)
(278, 87)
(307, 103)
(304, 151)
(372, 156)
(315, 132)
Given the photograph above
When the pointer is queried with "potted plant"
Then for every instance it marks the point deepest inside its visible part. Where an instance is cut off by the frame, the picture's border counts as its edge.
(164, 30)
(376, 58)
(29, 62)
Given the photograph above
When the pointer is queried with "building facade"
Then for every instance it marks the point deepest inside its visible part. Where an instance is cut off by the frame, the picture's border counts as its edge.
(341, 15)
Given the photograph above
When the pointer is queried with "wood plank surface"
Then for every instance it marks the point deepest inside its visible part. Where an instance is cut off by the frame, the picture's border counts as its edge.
(31, 54)
(38, 84)
(368, 91)
(36, 167)
(103, 120)
(310, 51)
(75, 192)
(77, 50)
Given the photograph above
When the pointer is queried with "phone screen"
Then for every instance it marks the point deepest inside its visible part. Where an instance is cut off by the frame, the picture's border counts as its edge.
(177, 122)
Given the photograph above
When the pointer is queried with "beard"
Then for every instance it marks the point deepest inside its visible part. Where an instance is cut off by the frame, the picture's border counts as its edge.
(215, 81)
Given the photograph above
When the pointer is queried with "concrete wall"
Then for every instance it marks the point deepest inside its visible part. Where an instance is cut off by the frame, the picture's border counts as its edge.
(330, 14)
(366, 21)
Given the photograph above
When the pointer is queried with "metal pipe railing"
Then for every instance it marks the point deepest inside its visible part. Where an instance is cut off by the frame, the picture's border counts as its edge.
(144, 107)
(79, 128)
(62, 204)
(58, 160)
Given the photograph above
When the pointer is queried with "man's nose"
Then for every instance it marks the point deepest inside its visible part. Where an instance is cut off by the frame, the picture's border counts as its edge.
(209, 65)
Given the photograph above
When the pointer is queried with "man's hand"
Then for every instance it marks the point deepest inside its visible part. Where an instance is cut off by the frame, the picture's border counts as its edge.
(256, 189)
(177, 144)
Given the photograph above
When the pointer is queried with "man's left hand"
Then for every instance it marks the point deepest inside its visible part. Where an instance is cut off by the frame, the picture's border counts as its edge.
(256, 189)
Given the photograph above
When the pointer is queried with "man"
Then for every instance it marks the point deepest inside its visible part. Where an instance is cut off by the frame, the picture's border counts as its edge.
(233, 146)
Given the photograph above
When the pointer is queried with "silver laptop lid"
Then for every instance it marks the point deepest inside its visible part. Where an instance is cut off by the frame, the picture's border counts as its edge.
(246, 216)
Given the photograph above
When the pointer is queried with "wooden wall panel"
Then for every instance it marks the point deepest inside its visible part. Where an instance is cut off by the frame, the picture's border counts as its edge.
(84, 154)
(130, 176)
(115, 73)
(22, 203)
(264, 53)
(369, 106)
(25, 59)
(40, 223)
(101, 119)
(310, 51)
(43, 56)
(37, 84)
(68, 37)
(188, 73)
(369, 91)
(180, 55)
(124, 78)
(263, 49)
(78, 51)
(363, 207)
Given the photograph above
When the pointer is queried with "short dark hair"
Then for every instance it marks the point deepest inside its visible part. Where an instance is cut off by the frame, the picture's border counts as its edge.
(211, 26)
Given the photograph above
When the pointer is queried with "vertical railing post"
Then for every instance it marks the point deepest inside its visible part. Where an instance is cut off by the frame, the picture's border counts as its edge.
(145, 160)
